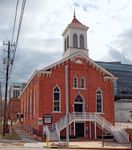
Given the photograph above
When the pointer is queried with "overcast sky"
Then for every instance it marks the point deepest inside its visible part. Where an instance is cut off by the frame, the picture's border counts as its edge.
(41, 43)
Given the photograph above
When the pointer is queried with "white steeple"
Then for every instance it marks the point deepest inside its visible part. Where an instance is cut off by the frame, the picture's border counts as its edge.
(75, 38)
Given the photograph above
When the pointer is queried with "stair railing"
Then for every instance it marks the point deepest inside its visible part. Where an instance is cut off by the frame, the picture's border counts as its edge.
(61, 124)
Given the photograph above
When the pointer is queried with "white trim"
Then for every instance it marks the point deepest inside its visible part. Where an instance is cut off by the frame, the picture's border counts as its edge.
(27, 104)
(80, 41)
(30, 99)
(90, 130)
(24, 105)
(34, 108)
(74, 129)
(84, 27)
(79, 88)
(75, 41)
(59, 99)
(90, 61)
(84, 83)
(95, 133)
(107, 77)
(101, 100)
(33, 75)
(57, 112)
(86, 57)
(70, 129)
(76, 80)
(83, 103)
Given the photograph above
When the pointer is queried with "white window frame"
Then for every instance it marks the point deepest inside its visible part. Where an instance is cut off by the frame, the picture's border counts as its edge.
(75, 41)
(101, 94)
(81, 40)
(27, 104)
(30, 101)
(59, 100)
(34, 108)
(82, 78)
(75, 87)
(24, 105)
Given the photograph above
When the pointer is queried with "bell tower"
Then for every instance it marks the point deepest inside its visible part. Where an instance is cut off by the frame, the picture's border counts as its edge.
(75, 38)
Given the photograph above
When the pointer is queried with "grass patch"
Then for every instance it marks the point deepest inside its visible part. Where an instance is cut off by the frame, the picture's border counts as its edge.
(12, 136)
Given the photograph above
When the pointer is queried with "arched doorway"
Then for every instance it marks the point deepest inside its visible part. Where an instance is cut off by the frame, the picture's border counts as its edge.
(79, 104)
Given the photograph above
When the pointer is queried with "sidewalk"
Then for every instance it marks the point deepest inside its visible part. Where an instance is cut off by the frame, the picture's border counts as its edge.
(30, 142)
(24, 136)
(80, 145)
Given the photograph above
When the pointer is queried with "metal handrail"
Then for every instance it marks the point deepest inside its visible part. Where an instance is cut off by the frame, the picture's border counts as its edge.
(61, 124)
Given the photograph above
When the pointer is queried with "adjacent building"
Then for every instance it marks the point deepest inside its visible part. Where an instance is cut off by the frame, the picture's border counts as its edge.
(14, 104)
(122, 86)
(123, 110)
(15, 90)
(74, 91)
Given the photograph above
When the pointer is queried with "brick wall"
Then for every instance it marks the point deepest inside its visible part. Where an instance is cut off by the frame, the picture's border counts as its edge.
(44, 85)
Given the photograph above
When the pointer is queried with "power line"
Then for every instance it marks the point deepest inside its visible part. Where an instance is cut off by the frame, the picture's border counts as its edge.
(14, 25)
(19, 29)
(8, 62)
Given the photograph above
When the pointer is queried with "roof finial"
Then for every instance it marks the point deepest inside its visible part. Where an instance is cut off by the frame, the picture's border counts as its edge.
(74, 13)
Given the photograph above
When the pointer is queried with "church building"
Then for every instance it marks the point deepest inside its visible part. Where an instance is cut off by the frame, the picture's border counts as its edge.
(73, 91)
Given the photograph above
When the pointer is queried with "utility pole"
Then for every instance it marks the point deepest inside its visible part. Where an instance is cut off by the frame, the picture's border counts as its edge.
(1, 108)
(67, 106)
(8, 62)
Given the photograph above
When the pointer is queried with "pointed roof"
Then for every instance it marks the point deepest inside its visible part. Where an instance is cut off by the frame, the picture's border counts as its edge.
(75, 23)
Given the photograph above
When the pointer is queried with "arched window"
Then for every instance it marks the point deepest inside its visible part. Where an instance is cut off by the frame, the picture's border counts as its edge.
(82, 83)
(67, 41)
(79, 99)
(99, 104)
(75, 82)
(79, 104)
(56, 99)
(65, 45)
(75, 41)
(81, 41)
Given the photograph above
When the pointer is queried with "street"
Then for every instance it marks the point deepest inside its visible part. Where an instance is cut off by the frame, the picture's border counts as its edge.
(16, 146)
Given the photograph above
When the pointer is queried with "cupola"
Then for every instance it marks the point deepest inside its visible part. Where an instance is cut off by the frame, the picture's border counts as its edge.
(75, 38)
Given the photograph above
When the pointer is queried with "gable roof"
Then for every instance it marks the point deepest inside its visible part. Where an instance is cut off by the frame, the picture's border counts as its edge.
(90, 61)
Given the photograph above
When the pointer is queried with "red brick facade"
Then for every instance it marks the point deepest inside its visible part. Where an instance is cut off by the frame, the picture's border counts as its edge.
(14, 107)
(87, 87)
(40, 91)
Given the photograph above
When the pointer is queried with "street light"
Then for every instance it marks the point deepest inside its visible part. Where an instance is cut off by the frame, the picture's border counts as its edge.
(103, 134)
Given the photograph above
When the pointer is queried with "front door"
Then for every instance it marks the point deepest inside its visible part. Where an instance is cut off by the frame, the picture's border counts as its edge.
(78, 107)
(79, 129)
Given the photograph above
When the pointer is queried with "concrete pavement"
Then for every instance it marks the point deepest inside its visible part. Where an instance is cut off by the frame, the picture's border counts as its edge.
(80, 145)
(72, 145)
(27, 141)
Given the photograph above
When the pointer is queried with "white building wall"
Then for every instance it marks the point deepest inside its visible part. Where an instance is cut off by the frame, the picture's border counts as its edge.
(123, 111)
(71, 50)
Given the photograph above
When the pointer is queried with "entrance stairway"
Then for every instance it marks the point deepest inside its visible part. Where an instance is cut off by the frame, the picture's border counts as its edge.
(53, 132)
